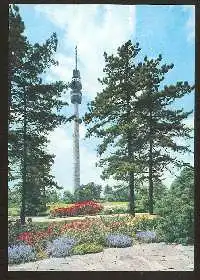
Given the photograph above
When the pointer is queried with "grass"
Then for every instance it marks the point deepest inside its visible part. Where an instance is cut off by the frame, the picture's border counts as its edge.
(123, 204)
(13, 211)
(56, 205)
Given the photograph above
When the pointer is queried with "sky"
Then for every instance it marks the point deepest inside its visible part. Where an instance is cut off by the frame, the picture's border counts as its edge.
(160, 29)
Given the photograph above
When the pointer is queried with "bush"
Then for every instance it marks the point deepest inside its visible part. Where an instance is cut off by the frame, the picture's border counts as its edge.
(119, 240)
(79, 208)
(87, 248)
(146, 224)
(177, 210)
(60, 247)
(177, 222)
(21, 254)
(96, 233)
(146, 236)
(177, 227)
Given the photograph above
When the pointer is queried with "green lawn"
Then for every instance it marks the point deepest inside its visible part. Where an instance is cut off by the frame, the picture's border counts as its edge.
(13, 211)
(116, 203)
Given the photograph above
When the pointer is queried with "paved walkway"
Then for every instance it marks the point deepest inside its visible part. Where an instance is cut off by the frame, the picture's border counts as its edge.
(143, 257)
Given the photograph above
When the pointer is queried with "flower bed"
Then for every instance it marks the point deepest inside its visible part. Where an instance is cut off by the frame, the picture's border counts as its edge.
(76, 237)
(80, 208)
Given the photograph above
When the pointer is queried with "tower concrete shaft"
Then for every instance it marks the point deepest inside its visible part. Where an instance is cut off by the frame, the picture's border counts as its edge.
(76, 153)
(76, 98)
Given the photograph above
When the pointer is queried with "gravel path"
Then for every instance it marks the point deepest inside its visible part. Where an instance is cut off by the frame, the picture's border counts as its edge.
(57, 219)
(142, 257)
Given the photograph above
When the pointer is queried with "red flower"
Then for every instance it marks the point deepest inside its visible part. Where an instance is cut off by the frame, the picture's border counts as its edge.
(79, 208)
(26, 237)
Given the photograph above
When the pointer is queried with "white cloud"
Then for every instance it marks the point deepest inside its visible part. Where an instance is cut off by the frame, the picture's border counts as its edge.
(81, 27)
(190, 24)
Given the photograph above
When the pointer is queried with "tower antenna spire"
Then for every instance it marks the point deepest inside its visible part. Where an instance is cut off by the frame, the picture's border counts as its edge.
(76, 57)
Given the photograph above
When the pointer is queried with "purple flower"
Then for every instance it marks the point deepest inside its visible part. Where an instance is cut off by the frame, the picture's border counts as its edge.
(118, 240)
(60, 247)
(21, 254)
(146, 236)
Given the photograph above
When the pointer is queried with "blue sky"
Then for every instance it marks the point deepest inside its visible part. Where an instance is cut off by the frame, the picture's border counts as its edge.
(166, 29)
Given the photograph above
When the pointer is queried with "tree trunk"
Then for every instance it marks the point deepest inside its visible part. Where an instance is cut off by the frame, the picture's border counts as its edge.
(150, 168)
(131, 180)
(132, 194)
(131, 158)
(23, 205)
(9, 89)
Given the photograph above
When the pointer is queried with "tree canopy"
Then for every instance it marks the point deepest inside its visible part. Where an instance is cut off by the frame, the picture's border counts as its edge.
(34, 107)
(134, 120)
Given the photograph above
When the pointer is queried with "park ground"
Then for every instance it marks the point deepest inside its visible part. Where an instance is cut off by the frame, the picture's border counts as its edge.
(142, 257)
(139, 257)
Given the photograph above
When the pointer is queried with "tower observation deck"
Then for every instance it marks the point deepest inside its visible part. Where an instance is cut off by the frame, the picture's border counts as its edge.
(76, 86)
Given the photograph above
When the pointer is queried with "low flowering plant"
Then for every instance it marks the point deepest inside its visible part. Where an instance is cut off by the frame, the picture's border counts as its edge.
(146, 236)
(39, 238)
(60, 247)
(26, 237)
(80, 208)
(76, 225)
(21, 254)
(32, 238)
(119, 240)
(87, 248)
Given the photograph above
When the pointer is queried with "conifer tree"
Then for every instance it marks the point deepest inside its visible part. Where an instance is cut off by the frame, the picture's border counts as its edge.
(134, 121)
(112, 118)
(162, 123)
(34, 110)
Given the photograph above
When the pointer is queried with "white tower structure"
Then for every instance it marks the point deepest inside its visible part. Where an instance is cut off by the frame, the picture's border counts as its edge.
(76, 98)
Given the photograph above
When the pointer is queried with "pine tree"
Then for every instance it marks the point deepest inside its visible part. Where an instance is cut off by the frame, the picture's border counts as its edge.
(112, 118)
(133, 118)
(17, 47)
(163, 124)
(34, 107)
(39, 179)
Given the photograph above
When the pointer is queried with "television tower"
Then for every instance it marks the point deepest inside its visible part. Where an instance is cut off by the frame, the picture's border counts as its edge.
(76, 98)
